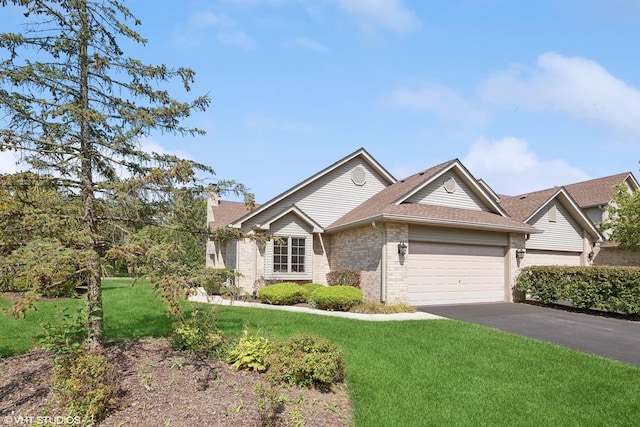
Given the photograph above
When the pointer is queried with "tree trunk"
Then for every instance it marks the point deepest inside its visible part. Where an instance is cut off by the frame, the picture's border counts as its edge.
(94, 282)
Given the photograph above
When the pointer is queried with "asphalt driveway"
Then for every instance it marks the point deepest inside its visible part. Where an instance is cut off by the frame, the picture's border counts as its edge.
(608, 337)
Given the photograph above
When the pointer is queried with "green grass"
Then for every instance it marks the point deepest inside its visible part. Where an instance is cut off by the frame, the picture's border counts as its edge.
(413, 373)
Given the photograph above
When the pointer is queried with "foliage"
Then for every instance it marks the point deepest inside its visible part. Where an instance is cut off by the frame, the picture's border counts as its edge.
(344, 278)
(84, 386)
(308, 289)
(198, 333)
(337, 297)
(213, 280)
(249, 352)
(305, 360)
(286, 293)
(270, 404)
(75, 109)
(624, 218)
(66, 336)
(614, 289)
(370, 307)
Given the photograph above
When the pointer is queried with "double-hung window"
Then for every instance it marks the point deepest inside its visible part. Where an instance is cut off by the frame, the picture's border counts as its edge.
(289, 255)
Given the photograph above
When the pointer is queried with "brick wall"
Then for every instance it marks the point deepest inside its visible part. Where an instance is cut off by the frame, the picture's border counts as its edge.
(513, 266)
(397, 266)
(615, 256)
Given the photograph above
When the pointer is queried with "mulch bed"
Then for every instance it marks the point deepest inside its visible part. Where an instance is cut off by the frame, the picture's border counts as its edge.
(160, 386)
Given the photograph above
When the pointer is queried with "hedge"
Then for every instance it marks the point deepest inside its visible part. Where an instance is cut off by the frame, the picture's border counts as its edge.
(613, 289)
(340, 298)
(344, 278)
(285, 293)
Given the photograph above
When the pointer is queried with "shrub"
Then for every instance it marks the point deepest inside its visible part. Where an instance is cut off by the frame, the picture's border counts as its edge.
(249, 353)
(286, 293)
(198, 333)
(309, 288)
(84, 386)
(213, 280)
(614, 289)
(344, 278)
(340, 298)
(305, 360)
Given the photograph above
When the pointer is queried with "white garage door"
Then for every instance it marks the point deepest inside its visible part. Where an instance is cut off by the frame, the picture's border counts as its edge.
(449, 274)
(537, 257)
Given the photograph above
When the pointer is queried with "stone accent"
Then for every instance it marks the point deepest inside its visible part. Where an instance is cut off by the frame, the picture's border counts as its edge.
(397, 266)
(513, 266)
(321, 245)
(359, 249)
(609, 255)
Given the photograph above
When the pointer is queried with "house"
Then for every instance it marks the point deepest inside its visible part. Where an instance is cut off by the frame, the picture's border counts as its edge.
(593, 197)
(437, 237)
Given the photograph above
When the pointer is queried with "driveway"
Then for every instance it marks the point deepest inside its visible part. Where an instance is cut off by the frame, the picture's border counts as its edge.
(608, 337)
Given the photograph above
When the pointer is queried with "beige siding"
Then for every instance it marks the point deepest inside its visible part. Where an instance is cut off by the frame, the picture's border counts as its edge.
(537, 257)
(329, 197)
(454, 235)
(436, 194)
(565, 234)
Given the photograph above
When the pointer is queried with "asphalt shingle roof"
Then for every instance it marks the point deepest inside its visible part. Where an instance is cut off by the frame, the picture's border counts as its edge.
(595, 191)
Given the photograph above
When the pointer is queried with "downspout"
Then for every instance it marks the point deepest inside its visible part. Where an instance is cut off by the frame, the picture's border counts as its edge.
(383, 263)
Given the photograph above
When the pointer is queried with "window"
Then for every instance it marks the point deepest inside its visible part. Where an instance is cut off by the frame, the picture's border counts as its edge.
(289, 255)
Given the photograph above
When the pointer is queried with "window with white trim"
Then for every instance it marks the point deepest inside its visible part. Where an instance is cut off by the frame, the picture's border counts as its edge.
(289, 255)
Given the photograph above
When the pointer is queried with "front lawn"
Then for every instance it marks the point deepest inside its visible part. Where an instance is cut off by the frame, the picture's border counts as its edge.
(412, 373)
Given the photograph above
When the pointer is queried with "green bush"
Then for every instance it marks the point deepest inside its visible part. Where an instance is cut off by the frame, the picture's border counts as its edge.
(614, 289)
(214, 279)
(84, 386)
(249, 353)
(198, 333)
(286, 293)
(344, 278)
(305, 360)
(340, 298)
(309, 288)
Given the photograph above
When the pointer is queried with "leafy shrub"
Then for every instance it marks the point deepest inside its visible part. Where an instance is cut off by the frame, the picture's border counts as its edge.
(249, 352)
(84, 386)
(286, 293)
(344, 278)
(309, 288)
(340, 298)
(614, 289)
(198, 333)
(214, 279)
(305, 360)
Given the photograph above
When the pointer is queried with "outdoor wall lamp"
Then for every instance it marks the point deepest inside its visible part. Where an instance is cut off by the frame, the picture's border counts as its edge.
(402, 248)
(520, 253)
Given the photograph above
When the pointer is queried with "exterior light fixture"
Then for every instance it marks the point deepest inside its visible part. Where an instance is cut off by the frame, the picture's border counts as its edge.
(520, 253)
(402, 248)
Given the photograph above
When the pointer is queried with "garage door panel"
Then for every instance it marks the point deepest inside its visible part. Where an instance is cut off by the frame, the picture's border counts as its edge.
(450, 273)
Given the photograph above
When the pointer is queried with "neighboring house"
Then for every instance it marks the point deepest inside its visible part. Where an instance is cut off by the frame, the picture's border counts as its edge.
(569, 236)
(593, 197)
(437, 237)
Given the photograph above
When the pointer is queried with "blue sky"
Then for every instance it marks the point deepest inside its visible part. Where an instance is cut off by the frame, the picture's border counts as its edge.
(527, 94)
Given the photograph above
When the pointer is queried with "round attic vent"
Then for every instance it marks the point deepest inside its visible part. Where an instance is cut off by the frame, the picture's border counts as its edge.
(358, 176)
(450, 185)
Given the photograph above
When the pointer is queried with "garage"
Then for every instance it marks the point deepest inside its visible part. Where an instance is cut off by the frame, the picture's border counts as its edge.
(444, 273)
(539, 257)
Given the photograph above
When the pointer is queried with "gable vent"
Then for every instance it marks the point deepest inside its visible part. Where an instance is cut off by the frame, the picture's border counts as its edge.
(358, 176)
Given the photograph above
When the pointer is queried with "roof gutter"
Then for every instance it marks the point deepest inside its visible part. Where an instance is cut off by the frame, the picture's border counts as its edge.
(438, 223)
(383, 262)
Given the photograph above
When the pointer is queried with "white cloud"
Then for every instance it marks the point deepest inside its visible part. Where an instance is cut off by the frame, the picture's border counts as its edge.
(206, 18)
(306, 43)
(152, 146)
(237, 38)
(440, 100)
(576, 86)
(510, 167)
(391, 14)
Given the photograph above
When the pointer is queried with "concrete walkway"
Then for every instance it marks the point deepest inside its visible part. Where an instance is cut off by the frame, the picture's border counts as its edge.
(200, 295)
(608, 337)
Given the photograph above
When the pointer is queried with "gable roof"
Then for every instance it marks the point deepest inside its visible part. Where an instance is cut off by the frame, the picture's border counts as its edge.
(226, 212)
(525, 206)
(317, 228)
(361, 152)
(596, 192)
(388, 205)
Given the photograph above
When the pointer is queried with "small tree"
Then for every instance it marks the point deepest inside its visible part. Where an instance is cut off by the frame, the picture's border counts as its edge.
(75, 107)
(624, 218)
